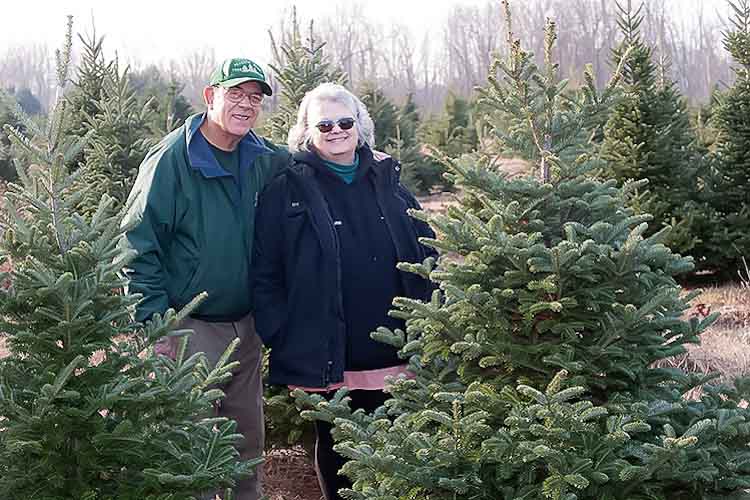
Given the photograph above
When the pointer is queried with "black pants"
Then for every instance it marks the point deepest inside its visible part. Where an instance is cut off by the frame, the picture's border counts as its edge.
(328, 462)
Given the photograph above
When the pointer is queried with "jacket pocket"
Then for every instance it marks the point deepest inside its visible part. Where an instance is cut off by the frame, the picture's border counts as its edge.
(189, 289)
(295, 209)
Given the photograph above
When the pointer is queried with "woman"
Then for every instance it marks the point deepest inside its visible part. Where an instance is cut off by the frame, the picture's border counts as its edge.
(329, 232)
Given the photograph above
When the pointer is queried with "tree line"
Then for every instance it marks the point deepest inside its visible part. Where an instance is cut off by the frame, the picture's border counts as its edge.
(455, 57)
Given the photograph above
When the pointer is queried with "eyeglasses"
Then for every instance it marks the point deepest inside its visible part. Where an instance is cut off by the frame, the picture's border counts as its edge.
(326, 126)
(236, 95)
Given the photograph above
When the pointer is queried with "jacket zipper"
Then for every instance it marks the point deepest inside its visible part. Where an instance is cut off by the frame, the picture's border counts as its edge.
(386, 218)
(340, 301)
(327, 376)
(301, 186)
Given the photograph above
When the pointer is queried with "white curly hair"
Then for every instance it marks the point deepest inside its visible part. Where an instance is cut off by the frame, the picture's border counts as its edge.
(300, 135)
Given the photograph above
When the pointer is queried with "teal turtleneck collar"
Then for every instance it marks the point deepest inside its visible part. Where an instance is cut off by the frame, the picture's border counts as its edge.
(346, 172)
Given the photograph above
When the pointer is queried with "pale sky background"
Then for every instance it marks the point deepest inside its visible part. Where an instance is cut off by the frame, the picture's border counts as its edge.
(156, 31)
(153, 31)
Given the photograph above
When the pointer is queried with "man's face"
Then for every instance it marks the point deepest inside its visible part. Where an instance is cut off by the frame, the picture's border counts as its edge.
(235, 110)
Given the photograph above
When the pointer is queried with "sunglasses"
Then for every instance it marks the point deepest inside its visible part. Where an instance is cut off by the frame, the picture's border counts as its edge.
(326, 126)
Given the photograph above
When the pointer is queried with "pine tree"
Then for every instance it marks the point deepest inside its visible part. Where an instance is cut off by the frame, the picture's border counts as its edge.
(8, 114)
(119, 126)
(87, 410)
(87, 87)
(384, 114)
(299, 66)
(648, 136)
(164, 97)
(453, 133)
(534, 363)
(419, 172)
(120, 134)
(730, 187)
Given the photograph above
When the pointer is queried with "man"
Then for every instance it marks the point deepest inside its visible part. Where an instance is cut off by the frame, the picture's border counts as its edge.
(193, 209)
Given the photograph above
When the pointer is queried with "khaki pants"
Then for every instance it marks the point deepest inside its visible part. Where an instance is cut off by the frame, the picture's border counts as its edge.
(243, 402)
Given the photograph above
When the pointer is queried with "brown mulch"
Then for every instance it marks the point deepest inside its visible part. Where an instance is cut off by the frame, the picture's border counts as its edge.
(289, 475)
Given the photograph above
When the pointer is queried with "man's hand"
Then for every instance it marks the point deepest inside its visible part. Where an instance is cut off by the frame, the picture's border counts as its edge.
(379, 155)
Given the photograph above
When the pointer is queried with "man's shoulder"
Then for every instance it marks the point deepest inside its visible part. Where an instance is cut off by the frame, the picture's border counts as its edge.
(167, 153)
(278, 151)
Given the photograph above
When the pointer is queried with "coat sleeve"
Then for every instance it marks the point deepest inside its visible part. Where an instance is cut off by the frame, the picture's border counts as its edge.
(269, 286)
(149, 223)
(422, 228)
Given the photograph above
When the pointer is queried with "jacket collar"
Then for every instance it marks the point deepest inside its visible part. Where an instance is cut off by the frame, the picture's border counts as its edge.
(202, 159)
(312, 159)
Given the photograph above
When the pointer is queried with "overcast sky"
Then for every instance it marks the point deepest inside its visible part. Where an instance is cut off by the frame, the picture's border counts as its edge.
(155, 30)
(159, 30)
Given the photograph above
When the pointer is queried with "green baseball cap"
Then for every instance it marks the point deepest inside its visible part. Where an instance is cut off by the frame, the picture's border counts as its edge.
(235, 71)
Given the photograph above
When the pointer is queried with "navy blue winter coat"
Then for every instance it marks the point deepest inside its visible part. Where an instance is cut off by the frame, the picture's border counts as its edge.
(300, 276)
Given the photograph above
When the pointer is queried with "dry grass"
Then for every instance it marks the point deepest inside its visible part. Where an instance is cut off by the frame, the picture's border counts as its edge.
(725, 346)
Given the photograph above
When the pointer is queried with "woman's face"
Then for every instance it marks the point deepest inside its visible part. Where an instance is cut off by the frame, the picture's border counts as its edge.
(337, 145)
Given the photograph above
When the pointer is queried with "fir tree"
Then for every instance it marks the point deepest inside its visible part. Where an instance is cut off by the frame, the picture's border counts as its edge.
(87, 410)
(533, 363)
(120, 135)
(419, 172)
(453, 133)
(299, 66)
(384, 114)
(87, 87)
(648, 136)
(164, 97)
(8, 114)
(28, 101)
(730, 188)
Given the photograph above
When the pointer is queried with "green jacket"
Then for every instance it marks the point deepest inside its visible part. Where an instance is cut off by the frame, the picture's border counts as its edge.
(192, 224)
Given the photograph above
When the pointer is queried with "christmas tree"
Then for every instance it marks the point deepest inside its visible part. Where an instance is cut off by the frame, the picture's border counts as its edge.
(384, 113)
(648, 136)
(299, 66)
(7, 115)
(729, 189)
(87, 410)
(164, 97)
(419, 172)
(120, 135)
(87, 87)
(535, 364)
(119, 125)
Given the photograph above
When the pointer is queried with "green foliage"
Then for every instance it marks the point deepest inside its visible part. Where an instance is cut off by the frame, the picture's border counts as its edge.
(8, 114)
(648, 136)
(87, 410)
(396, 133)
(121, 118)
(420, 172)
(164, 97)
(120, 136)
(384, 114)
(453, 131)
(87, 87)
(535, 362)
(299, 66)
(729, 183)
(28, 101)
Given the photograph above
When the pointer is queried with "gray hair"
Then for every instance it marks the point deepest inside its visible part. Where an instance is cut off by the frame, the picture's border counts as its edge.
(300, 135)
